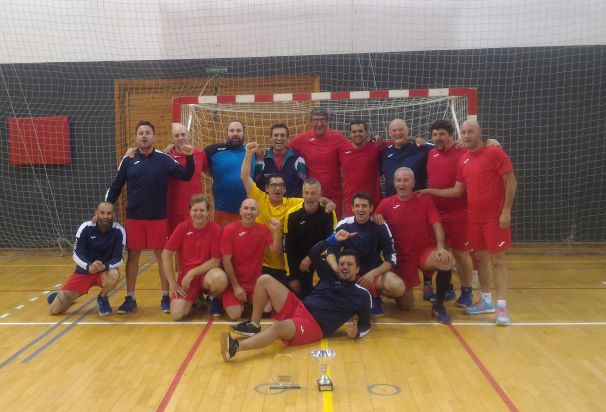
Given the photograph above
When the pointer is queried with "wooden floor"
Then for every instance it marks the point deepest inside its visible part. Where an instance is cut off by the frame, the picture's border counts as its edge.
(552, 358)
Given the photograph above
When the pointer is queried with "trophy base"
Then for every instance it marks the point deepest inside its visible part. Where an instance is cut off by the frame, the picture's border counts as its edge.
(325, 386)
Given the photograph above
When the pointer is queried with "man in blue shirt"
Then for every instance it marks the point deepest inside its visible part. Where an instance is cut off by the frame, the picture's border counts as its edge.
(334, 301)
(225, 161)
(98, 251)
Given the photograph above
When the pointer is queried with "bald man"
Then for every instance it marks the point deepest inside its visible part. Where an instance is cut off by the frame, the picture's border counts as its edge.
(486, 174)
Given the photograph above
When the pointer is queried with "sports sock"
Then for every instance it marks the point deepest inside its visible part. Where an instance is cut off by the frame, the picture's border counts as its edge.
(501, 303)
(442, 284)
(486, 297)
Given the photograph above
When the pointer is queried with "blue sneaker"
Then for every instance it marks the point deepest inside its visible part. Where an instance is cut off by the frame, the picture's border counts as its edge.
(51, 297)
(481, 306)
(502, 318)
(377, 307)
(439, 312)
(428, 294)
(104, 307)
(215, 307)
(165, 304)
(450, 294)
(127, 306)
(465, 300)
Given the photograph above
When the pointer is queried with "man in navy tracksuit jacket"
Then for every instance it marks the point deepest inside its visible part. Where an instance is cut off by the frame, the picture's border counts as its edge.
(147, 176)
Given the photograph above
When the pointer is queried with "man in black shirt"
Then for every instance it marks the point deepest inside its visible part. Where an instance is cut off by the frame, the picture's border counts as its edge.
(334, 301)
(304, 226)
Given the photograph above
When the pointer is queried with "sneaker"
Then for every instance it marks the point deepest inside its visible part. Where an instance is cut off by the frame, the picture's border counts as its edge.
(127, 306)
(165, 304)
(481, 306)
(439, 312)
(502, 318)
(246, 328)
(465, 300)
(104, 307)
(377, 307)
(428, 294)
(229, 346)
(450, 295)
(51, 296)
(215, 307)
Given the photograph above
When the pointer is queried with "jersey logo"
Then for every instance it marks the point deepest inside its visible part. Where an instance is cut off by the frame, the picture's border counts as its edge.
(396, 206)
(436, 155)
(501, 243)
(93, 237)
(312, 139)
(302, 222)
(241, 234)
(302, 329)
(466, 243)
(220, 149)
(465, 161)
(348, 152)
(389, 155)
(137, 161)
(189, 233)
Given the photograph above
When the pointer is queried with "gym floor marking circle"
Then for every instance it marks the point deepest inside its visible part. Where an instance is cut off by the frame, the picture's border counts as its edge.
(260, 389)
(384, 389)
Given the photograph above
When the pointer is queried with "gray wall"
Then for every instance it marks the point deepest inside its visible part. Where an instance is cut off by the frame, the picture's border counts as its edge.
(544, 104)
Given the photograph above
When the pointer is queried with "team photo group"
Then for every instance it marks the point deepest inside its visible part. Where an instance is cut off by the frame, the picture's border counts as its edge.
(305, 231)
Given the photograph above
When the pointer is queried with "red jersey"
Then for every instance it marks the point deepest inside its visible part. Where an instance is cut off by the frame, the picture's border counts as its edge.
(360, 166)
(180, 191)
(410, 221)
(482, 172)
(246, 245)
(195, 246)
(442, 174)
(321, 156)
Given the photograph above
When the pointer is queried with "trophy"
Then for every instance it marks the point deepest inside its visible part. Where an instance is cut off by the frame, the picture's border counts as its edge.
(324, 356)
(283, 372)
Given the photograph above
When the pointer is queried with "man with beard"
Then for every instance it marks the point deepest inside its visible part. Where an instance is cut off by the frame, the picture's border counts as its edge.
(225, 160)
(98, 253)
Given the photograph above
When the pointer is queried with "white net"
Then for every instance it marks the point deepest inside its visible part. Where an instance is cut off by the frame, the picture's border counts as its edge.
(539, 69)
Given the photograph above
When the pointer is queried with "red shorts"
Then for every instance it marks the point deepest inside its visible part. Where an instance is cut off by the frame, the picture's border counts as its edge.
(489, 236)
(146, 234)
(225, 218)
(195, 287)
(455, 229)
(174, 220)
(229, 298)
(373, 288)
(410, 265)
(307, 329)
(82, 283)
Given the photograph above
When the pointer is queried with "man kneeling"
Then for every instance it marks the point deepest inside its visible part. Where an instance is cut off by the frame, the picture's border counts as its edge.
(98, 254)
(335, 300)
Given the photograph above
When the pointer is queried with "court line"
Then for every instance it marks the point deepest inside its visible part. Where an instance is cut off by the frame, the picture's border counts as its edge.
(56, 325)
(326, 395)
(493, 382)
(173, 385)
(200, 323)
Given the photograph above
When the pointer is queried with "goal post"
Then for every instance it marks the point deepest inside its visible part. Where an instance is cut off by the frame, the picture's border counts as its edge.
(207, 117)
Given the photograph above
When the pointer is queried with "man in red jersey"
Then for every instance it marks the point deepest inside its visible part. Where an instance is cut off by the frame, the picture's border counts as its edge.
(320, 149)
(195, 240)
(486, 174)
(360, 165)
(418, 236)
(242, 246)
(179, 191)
(442, 163)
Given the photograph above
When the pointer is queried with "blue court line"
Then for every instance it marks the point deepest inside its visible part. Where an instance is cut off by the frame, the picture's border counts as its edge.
(61, 322)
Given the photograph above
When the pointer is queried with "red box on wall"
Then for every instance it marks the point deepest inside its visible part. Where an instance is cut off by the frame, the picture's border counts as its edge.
(38, 140)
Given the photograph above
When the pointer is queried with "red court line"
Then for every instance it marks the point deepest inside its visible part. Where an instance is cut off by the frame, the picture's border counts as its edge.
(493, 382)
(171, 389)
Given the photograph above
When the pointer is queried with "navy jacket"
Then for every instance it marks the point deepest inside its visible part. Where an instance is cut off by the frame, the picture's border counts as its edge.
(92, 244)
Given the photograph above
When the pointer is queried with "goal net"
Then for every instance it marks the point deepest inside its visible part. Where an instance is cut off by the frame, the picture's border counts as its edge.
(207, 117)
